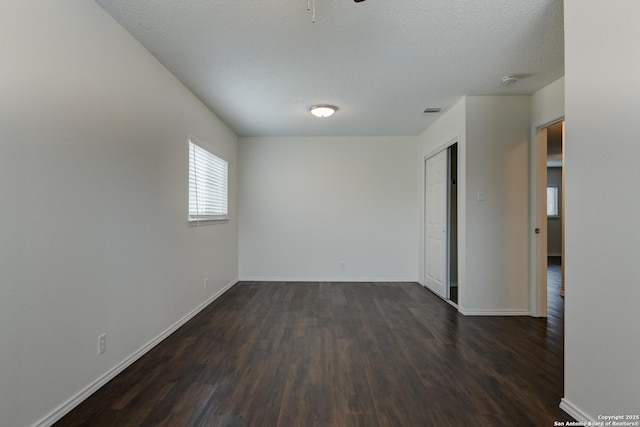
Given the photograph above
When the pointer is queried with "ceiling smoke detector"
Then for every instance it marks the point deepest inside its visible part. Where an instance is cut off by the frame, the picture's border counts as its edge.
(509, 79)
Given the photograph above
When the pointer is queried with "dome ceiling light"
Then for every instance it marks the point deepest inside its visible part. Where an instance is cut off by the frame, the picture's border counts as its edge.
(323, 110)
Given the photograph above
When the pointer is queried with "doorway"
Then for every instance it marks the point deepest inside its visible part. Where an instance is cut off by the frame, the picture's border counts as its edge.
(555, 210)
(549, 216)
(441, 223)
(453, 223)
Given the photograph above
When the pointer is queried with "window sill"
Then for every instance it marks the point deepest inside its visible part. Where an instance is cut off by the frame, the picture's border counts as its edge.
(210, 221)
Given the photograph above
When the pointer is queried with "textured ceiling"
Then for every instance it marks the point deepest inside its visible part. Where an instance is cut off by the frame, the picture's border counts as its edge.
(259, 65)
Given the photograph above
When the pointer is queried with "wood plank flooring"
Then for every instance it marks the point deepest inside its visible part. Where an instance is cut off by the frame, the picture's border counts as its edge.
(555, 303)
(339, 354)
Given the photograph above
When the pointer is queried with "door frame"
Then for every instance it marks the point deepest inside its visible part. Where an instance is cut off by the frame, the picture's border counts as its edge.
(444, 147)
(538, 241)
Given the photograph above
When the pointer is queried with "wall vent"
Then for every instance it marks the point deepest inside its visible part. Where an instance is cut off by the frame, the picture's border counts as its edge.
(433, 110)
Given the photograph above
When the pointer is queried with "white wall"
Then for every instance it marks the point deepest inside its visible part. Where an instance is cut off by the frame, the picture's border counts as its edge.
(497, 144)
(309, 204)
(492, 135)
(448, 128)
(93, 184)
(602, 316)
(547, 106)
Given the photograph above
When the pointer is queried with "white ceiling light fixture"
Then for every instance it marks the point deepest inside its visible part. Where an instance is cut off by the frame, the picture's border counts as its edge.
(323, 110)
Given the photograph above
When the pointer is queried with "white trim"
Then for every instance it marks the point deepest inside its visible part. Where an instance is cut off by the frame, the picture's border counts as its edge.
(577, 413)
(546, 124)
(208, 221)
(74, 401)
(449, 143)
(496, 312)
(330, 279)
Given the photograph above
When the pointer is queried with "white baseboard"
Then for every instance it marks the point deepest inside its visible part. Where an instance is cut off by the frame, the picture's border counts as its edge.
(329, 279)
(577, 413)
(74, 401)
(495, 312)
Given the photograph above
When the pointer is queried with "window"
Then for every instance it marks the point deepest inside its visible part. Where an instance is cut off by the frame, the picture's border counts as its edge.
(552, 202)
(208, 181)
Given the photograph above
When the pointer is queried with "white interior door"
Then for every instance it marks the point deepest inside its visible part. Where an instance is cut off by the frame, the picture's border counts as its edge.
(436, 223)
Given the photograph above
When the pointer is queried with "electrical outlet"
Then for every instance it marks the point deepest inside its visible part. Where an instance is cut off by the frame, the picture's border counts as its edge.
(102, 343)
(206, 284)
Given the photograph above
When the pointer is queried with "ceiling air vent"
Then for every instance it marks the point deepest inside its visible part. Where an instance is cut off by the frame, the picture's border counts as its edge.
(431, 110)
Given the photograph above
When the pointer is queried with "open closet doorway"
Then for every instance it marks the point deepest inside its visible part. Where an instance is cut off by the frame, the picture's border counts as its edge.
(453, 223)
(441, 223)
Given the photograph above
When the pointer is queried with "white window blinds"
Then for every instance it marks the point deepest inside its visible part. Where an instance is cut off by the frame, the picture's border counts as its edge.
(552, 201)
(208, 181)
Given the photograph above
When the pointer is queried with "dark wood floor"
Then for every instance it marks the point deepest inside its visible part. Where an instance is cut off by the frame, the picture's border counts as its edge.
(339, 354)
(555, 304)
